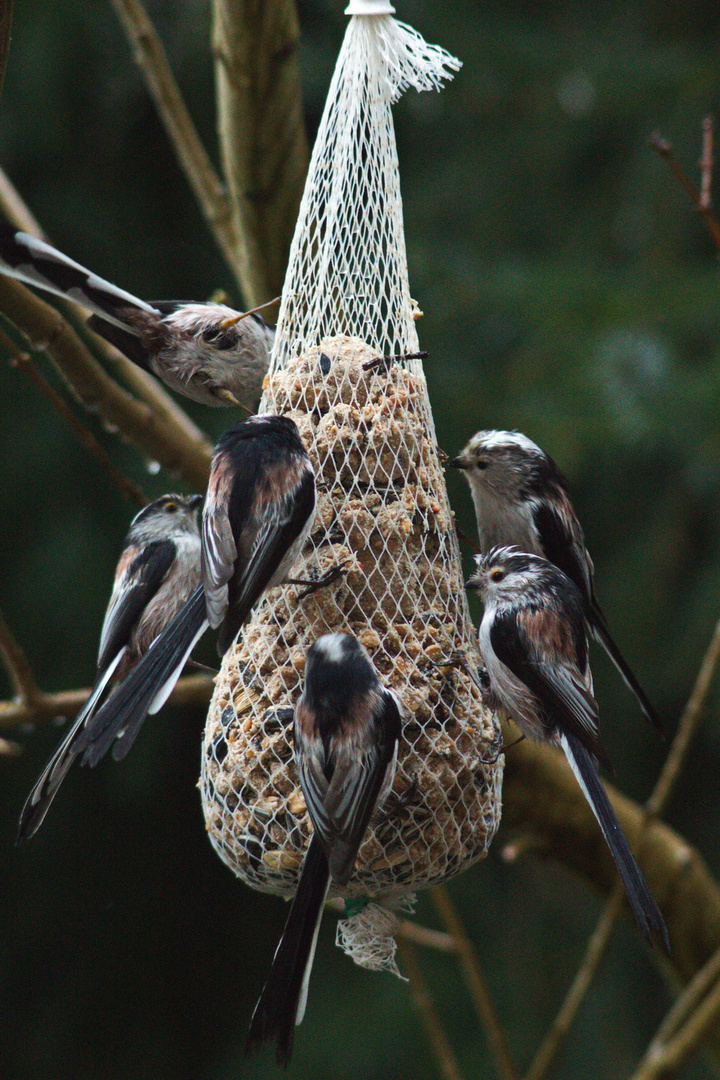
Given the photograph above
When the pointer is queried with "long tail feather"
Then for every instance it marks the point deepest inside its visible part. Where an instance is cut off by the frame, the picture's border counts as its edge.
(602, 634)
(281, 1005)
(36, 263)
(117, 723)
(644, 908)
(38, 801)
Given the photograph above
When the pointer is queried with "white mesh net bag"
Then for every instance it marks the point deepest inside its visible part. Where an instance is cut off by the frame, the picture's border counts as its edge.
(382, 512)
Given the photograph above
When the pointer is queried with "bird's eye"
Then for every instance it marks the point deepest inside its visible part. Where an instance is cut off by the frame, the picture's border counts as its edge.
(497, 575)
(220, 338)
(481, 464)
(171, 507)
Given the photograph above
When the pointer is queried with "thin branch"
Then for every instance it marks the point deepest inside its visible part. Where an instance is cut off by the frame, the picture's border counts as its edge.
(23, 361)
(27, 691)
(152, 60)
(686, 729)
(690, 998)
(476, 984)
(706, 164)
(262, 135)
(190, 690)
(158, 438)
(561, 1025)
(141, 383)
(446, 1060)
(6, 13)
(597, 945)
(665, 1057)
(665, 150)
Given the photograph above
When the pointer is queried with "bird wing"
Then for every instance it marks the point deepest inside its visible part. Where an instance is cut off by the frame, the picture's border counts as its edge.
(541, 650)
(139, 575)
(267, 541)
(563, 543)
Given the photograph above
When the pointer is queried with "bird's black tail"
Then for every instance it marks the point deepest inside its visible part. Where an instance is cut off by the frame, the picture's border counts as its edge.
(281, 1005)
(38, 801)
(147, 687)
(601, 632)
(37, 263)
(644, 908)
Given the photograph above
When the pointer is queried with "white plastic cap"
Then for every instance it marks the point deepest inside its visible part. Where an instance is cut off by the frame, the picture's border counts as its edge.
(369, 7)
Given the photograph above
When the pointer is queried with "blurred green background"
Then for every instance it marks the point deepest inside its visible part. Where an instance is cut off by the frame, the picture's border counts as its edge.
(570, 291)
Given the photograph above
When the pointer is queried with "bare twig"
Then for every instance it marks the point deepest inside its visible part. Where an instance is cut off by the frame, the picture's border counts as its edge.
(476, 984)
(153, 62)
(23, 361)
(686, 728)
(665, 150)
(706, 164)
(158, 438)
(262, 134)
(6, 12)
(447, 1062)
(561, 1025)
(665, 1056)
(27, 691)
(190, 690)
(597, 945)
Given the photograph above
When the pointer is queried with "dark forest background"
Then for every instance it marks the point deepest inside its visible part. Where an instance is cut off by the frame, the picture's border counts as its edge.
(569, 291)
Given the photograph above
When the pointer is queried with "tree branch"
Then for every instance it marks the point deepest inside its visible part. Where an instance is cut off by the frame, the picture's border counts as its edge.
(152, 60)
(27, 691)
(447, 1062)
(190, 690)
(23, 361)
(262, 134)
(476, 983)
(157, 437)
(665, 150)
(561, 825)
(141, 383)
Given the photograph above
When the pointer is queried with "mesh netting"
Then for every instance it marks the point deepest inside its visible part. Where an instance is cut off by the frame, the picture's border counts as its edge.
(382, 512)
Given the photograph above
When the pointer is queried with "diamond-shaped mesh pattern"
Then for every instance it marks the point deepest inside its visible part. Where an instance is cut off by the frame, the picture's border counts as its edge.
(382, 512)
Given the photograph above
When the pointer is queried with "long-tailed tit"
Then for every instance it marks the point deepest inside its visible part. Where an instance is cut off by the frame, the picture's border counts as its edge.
(158, 569)
(521, 498)
(207, 352)
(533, 641)
(258, 512)
(347, 728)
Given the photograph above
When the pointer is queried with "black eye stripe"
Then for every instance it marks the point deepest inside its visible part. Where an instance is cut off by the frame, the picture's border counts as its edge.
(219, 338)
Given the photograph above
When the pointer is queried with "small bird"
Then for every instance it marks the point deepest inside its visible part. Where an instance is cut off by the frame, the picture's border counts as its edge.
(347, 730)
(208, 352)
(258, 512)
(158, 569)
(521, 498)
(533, 642)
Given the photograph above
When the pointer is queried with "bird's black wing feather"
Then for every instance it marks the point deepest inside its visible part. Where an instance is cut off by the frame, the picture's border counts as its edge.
(128, 342)
(125, 710)
(275, 538)
(564, 702)
(148, 570)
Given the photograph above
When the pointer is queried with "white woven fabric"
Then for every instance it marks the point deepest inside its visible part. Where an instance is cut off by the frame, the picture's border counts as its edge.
(382, 512)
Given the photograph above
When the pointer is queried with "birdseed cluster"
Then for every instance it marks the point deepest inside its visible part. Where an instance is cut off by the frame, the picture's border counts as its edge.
(383, 516)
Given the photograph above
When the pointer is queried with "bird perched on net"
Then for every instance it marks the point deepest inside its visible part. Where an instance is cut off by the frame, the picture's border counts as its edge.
(258, 512)
(521, 498)
(533, 642)
(158, 569)
(347, 730)
(207, 352)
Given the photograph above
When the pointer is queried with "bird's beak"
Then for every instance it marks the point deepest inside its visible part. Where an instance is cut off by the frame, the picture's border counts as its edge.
(227, 396)
(473, 582)
(458, 462)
